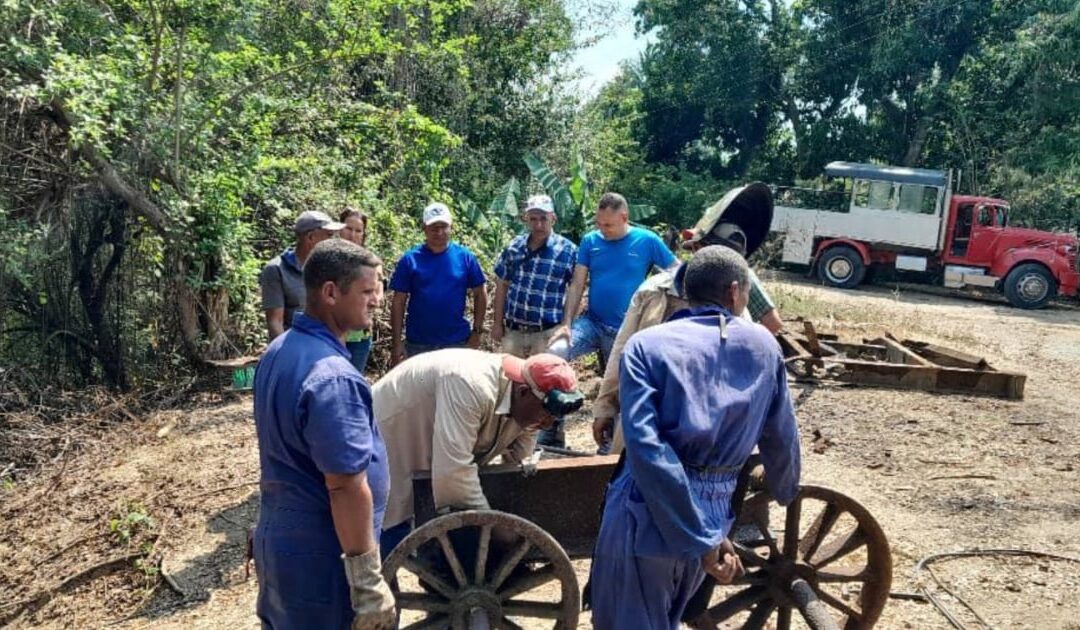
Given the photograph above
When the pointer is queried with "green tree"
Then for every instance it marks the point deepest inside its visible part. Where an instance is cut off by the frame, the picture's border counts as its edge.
(207, 125)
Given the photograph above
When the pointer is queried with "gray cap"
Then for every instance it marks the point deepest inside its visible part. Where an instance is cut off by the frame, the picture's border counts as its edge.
(311, 220)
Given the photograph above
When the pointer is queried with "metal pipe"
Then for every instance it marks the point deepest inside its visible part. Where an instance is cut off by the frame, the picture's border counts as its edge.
(813, 611)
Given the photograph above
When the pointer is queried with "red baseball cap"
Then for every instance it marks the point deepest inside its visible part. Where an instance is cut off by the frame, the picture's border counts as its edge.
(541, 372)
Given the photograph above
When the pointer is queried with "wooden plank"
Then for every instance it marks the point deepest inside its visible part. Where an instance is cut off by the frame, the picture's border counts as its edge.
(232, 364)
(897, 353)
(811, 337)
(790, 347)
(947, 356)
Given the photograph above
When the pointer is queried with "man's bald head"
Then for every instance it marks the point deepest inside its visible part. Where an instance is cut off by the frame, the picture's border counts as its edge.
(717, 275)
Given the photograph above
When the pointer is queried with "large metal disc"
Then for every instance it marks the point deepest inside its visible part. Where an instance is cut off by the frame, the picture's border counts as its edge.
(482, 569)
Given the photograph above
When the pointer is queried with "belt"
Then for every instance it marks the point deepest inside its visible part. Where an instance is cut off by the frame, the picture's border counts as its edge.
(518, 326)
(713, 469)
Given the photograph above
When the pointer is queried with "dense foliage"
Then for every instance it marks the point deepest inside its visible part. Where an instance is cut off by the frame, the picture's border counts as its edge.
(773, 90)
(153, 153)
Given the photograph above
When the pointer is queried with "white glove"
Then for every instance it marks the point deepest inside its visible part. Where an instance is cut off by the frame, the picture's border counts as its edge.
(371, 598)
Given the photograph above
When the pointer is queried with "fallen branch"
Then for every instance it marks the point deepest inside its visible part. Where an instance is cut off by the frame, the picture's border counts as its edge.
(16, 608)
(1028, 424)
(943, 462)
(217, 491)
(67, 548)
(976, 476)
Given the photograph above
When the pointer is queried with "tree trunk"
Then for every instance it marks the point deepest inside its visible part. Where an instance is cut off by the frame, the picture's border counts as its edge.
(918, 141)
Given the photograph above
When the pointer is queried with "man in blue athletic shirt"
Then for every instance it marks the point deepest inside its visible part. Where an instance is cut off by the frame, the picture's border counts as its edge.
(430, 284)
(613, 261)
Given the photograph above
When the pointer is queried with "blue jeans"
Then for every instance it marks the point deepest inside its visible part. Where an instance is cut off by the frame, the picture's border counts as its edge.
(587, 334)
(360, 351)
(392, 537)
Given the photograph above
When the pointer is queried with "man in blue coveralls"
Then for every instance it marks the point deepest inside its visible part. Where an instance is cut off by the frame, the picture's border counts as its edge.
(324, 472)
(698, 393)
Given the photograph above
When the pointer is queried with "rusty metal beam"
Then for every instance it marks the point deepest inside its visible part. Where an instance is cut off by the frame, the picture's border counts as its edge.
(897, 353)
(947, 357)
(932, 378)
(565, 497)
(860, 350)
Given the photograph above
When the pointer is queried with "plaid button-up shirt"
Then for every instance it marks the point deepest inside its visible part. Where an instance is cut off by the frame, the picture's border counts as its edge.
(538, 279)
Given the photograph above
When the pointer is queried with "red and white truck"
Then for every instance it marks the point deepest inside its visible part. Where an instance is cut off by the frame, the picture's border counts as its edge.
(909, 219)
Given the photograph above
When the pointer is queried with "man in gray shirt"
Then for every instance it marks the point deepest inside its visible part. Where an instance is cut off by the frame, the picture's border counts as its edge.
(282, 280)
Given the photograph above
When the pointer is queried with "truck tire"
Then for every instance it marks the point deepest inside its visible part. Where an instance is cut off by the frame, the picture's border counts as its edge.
(1029, 285)
(841, 267)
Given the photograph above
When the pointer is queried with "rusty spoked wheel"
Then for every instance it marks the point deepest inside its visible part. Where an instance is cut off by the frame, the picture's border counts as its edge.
(472, 569)
(832, 567)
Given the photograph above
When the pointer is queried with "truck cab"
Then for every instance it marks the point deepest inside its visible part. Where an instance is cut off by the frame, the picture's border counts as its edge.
(908, 219)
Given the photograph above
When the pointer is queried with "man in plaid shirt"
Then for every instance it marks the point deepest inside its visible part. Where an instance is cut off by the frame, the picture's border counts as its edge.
(532, 275)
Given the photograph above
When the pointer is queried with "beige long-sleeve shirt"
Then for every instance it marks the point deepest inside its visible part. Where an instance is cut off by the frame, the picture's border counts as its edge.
(653, 302)
(448, 412)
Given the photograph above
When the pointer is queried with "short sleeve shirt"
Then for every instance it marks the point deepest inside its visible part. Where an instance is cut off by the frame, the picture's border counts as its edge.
(538, 279)
(313, 417)
(617, 268)
(282, 285)
(437, 285)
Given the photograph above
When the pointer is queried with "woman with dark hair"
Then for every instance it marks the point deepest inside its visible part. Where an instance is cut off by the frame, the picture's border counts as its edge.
(358, 342)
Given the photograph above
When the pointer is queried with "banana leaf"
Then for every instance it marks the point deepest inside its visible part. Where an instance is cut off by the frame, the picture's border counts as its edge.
(506, 199)
(640, 212)
(564, 201)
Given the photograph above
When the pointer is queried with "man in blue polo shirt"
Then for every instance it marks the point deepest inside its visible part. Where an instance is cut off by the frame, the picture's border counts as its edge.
(533, 273)
(612, 261)
(430, 284)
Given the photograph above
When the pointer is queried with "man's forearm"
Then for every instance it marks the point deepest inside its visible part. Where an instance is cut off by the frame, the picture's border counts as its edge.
(352, 508)
(479, 308)
(397, 317)
(573, 303)
(275, 325)
(772, 321)
(499, 309)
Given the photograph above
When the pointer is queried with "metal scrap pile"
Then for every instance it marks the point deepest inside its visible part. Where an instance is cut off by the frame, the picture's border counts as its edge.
(899, 363)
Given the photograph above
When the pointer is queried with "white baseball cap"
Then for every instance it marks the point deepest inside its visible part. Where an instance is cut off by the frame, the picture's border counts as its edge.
(540, 202)
(437, 213)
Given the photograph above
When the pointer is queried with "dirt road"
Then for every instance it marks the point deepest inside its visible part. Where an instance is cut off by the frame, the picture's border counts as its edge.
(939, 472)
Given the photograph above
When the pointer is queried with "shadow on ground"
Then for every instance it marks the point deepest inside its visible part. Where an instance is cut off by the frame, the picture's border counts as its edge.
(194, 580)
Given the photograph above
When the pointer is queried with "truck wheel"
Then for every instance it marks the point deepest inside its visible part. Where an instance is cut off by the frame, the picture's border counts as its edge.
(841, 267)
(1029, 286)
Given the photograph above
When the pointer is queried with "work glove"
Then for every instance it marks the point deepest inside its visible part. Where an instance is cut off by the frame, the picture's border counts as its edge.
(371, 598)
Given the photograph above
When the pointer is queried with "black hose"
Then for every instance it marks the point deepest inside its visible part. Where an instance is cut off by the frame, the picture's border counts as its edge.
(967, 553)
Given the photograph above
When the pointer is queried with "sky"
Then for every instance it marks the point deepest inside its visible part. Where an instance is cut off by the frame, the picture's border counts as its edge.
(600, 62)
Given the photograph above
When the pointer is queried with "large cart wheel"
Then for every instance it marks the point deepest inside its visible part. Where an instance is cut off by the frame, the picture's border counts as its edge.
(832, 565)
(469, 569)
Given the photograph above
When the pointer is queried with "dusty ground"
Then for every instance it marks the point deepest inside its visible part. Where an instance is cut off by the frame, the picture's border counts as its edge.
(938, 472)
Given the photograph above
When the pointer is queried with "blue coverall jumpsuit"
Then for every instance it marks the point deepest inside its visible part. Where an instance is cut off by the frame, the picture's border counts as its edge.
(313, 417)
(693, 408)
